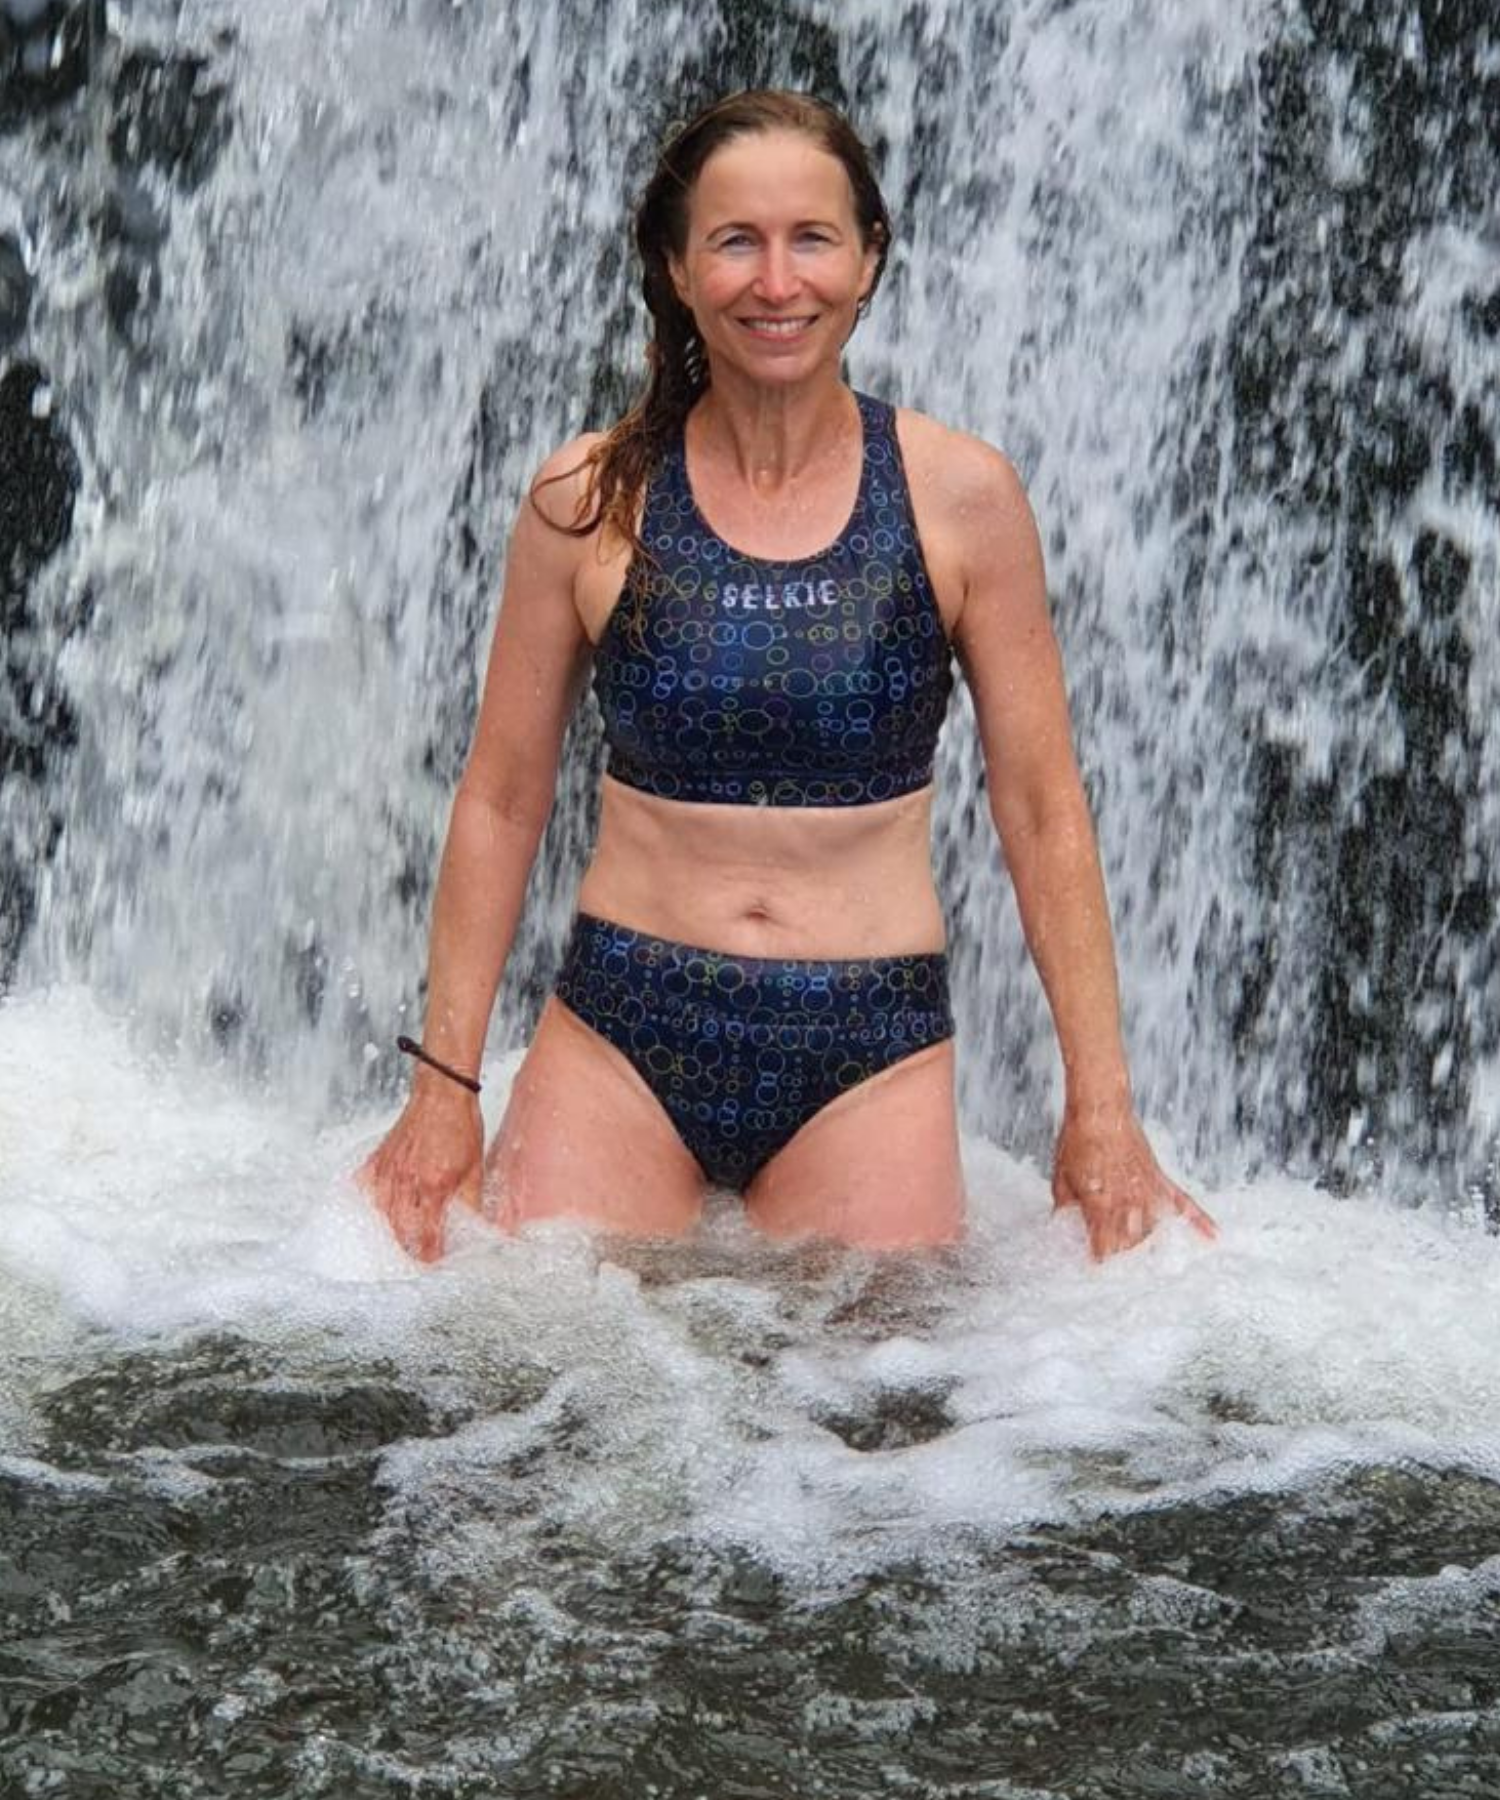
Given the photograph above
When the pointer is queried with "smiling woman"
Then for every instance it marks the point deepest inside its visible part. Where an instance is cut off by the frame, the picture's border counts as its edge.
(776, 264)
(769, 576)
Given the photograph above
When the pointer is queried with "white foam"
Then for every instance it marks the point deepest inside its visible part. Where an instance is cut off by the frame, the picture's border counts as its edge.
(652, 1391)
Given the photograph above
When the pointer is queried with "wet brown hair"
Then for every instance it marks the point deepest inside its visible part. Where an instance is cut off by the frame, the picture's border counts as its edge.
(619, 466)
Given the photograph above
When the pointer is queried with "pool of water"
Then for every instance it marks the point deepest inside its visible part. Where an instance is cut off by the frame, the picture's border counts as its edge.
(285, 1514)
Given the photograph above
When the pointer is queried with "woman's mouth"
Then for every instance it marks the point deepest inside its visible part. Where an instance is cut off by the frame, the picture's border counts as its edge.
(777, 328)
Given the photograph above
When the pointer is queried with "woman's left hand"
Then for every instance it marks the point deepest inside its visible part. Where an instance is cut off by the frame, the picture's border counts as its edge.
(1105, 1167)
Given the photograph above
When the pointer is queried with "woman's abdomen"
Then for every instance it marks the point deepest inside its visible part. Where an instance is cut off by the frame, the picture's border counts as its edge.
(768, 881)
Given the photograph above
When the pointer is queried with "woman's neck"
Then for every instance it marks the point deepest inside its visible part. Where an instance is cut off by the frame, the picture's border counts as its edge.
(771, 436)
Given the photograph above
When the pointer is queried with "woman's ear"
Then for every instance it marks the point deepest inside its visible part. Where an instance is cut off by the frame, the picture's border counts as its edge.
(872, 264)
(678, 272)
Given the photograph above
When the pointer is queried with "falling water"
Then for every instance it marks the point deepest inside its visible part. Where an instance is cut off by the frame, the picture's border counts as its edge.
(292, 301)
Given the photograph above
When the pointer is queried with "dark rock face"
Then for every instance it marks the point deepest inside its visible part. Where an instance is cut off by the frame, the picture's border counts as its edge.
(131, 289)
(48, 53)
(131, 229)
(15, 292)
(167, 118)
(130, 216)
(38, 481)
(1405, 913)
(48, 49)
(169, 115)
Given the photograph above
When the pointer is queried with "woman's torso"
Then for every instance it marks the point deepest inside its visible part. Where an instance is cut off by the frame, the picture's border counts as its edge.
(755, 875)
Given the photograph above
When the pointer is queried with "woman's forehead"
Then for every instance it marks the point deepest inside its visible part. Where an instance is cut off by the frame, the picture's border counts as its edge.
(771, 171)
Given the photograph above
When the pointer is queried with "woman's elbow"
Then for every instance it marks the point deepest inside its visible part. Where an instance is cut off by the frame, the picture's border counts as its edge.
(1053, 811)
(517, 802)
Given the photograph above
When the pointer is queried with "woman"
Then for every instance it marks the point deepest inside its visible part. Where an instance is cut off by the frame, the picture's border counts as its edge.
(768, 575)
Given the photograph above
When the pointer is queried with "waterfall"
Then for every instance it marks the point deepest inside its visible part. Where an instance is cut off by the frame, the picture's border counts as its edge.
(294, 298)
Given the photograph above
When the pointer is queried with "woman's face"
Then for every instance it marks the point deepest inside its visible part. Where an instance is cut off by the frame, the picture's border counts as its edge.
(774, 267)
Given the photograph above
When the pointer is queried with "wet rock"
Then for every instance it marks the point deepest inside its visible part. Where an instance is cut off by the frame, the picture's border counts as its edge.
(15, 292)
(894, 1419)
(352, 1417)
(1367, 862)
(309, 971)
(227, 1014)
(131, 227)
(38, 482)
(765, 41)
(17, 907)
(131, 216)
(143, 1689)
(132, 288)
(169, 115)
(36, 719)
(48, 50)
(1484, 314)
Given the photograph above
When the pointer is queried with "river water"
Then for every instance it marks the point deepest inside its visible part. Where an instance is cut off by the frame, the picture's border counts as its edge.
(311, 288)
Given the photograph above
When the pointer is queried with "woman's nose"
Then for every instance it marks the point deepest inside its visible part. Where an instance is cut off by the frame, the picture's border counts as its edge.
(777, 279)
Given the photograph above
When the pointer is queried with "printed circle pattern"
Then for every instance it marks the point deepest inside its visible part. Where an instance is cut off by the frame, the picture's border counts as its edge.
(817, 681)
(742, 1051)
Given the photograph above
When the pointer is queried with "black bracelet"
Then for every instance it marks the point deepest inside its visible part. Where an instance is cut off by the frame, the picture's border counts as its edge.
(413, 1048)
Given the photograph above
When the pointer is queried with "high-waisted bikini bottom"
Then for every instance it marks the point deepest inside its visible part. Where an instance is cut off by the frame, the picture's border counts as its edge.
(742, 1051)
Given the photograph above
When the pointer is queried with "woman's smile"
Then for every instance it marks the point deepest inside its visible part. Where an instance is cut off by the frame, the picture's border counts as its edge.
(779, 329)
(775, 259)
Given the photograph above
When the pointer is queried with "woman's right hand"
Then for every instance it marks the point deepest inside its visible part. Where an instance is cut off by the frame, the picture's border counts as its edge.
(433, 1152)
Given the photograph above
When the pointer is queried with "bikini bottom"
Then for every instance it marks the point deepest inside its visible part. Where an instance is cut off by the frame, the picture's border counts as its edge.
(742, 1051)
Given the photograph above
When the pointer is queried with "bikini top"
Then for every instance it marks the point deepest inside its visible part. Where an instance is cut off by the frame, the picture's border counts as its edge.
(811, 681)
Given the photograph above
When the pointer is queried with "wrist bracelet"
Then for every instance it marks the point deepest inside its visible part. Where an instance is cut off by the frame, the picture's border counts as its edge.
(412, 1048)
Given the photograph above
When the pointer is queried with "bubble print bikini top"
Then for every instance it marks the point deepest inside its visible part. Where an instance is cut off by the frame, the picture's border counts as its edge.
(813, 681)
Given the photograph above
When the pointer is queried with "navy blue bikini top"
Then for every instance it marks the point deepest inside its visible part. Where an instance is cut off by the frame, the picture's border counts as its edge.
(815, 681)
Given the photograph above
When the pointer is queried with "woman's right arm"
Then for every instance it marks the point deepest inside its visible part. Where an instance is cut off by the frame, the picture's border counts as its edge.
(538, 661)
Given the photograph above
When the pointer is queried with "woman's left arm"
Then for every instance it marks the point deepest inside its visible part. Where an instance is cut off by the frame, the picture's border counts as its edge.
(1009, 654)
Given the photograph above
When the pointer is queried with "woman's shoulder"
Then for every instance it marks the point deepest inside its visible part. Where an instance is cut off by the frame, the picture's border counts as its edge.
(968, 468)
(562, 488)
(957, 478)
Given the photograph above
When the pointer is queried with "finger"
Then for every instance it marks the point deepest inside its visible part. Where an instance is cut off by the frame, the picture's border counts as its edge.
(415, 1216)
(1104, 1234)
(381, 1180)
(405, 1209)
(430, 1233)
(1119, 1228)
(1192, 1212)
(470, 1189)
(417, 1238)
(397, 1206)
(1132, 1226)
